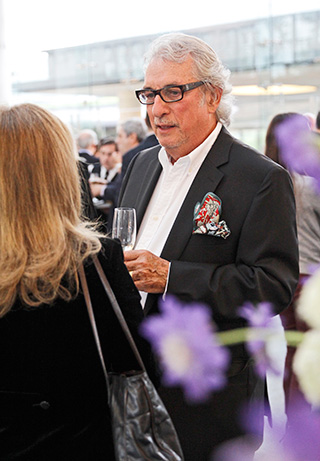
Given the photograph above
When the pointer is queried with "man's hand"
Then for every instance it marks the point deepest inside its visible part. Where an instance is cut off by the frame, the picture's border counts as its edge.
(95, 189)
(149, 272)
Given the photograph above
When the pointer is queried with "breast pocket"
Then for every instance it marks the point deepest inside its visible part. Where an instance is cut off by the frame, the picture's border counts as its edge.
(208, 248)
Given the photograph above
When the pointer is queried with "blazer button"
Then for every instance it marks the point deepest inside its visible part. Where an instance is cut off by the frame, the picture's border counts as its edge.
(44, 405)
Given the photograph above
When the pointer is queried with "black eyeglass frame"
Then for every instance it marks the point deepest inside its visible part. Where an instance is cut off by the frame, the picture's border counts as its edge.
(183, 88)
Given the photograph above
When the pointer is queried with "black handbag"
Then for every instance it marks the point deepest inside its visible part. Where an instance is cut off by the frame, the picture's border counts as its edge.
(142, 428)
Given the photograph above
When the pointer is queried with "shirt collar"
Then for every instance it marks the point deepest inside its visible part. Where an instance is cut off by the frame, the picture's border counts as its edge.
(196, 157)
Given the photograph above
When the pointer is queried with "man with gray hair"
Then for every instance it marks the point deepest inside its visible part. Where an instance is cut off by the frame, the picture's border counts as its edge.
(130, 133)
(246, 250)
(87, 141)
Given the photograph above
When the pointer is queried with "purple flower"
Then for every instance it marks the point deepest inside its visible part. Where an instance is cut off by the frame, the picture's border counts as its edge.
(301, 441)
(299, 146)
(302, 436)
(183, 337)
(259, 317)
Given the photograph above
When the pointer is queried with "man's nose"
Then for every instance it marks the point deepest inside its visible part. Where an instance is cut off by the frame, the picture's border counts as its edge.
(159, 107)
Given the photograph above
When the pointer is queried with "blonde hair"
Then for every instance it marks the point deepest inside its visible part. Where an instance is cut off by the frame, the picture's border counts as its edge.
(42, 238)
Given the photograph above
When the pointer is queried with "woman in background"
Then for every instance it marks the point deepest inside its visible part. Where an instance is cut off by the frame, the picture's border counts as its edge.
(53, 398)
(308, 227)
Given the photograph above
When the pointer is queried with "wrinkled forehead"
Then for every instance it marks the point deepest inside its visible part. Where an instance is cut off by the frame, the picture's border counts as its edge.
(161, 72)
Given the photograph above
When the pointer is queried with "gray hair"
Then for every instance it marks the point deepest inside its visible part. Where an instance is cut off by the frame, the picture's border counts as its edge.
(135, 125)
(208, 67)
(86, 138)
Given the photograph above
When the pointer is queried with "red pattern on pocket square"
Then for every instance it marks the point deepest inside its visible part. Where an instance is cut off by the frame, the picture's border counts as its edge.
(207, 215)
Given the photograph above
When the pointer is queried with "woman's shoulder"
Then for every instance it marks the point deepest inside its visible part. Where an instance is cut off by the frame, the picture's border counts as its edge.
(110, 244)
(110, 249)
(110, 257)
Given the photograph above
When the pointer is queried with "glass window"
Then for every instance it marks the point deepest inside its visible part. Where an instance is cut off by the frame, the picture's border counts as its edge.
(307, 27)
(137, 51)
(245, 44)
(283, 40)
(109, 62)
(263, 34)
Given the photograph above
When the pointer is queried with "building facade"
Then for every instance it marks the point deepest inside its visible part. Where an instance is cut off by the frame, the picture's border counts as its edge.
(275, 65)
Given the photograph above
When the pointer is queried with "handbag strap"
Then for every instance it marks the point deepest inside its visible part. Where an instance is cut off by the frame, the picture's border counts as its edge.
(87, 298)
(118, 311)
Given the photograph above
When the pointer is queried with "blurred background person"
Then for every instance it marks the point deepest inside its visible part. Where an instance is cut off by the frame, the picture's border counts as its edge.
(318, 122)
(103, 174)
(53, 395)
(87, 142)
(130, 136)
(109, 165)
(308, 227)
(311, 120)
(130, 133)
(89, 211)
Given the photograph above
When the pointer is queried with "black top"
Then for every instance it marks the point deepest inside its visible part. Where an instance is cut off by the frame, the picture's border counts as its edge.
(53, 398)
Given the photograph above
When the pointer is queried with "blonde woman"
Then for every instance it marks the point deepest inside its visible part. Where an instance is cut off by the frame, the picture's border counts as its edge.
(53, 403)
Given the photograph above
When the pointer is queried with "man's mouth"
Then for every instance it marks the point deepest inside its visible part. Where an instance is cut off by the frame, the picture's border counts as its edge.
(164, 127)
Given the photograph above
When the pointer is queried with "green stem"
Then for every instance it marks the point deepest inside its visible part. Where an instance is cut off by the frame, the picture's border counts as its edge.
(238, 335)
(241, 335)
(293, 338)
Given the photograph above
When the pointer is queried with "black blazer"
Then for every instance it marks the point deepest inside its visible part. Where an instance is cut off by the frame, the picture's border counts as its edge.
(53, 397)
(87, 156)
(97, 170)
(257, 262)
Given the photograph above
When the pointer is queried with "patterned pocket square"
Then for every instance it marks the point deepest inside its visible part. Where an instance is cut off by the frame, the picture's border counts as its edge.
(206, 217)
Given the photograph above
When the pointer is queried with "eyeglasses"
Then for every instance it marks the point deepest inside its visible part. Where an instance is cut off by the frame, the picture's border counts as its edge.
(169, 93)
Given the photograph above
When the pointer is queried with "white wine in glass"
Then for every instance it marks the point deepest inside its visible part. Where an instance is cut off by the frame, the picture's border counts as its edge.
(124, 227)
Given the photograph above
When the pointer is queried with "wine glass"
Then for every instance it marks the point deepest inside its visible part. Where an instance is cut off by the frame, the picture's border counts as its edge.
(124, 227)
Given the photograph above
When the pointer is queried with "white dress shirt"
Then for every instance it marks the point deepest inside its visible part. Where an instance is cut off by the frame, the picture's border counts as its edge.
(111, 173)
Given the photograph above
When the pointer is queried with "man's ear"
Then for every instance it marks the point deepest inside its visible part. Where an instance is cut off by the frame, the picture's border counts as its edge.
(213, 99)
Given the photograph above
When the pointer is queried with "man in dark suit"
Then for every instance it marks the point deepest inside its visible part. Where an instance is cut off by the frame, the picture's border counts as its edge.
(104, 175)
(150, 140)
(88, 209)
(132, 137)
(109, 165)
(216, 224)
(87, 141)
(131, 133)
(318, 122)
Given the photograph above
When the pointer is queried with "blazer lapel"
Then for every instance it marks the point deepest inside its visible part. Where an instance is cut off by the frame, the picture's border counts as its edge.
(206, 180)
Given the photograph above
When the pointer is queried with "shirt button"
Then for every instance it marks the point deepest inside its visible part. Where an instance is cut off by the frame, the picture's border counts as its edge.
(44, 405)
